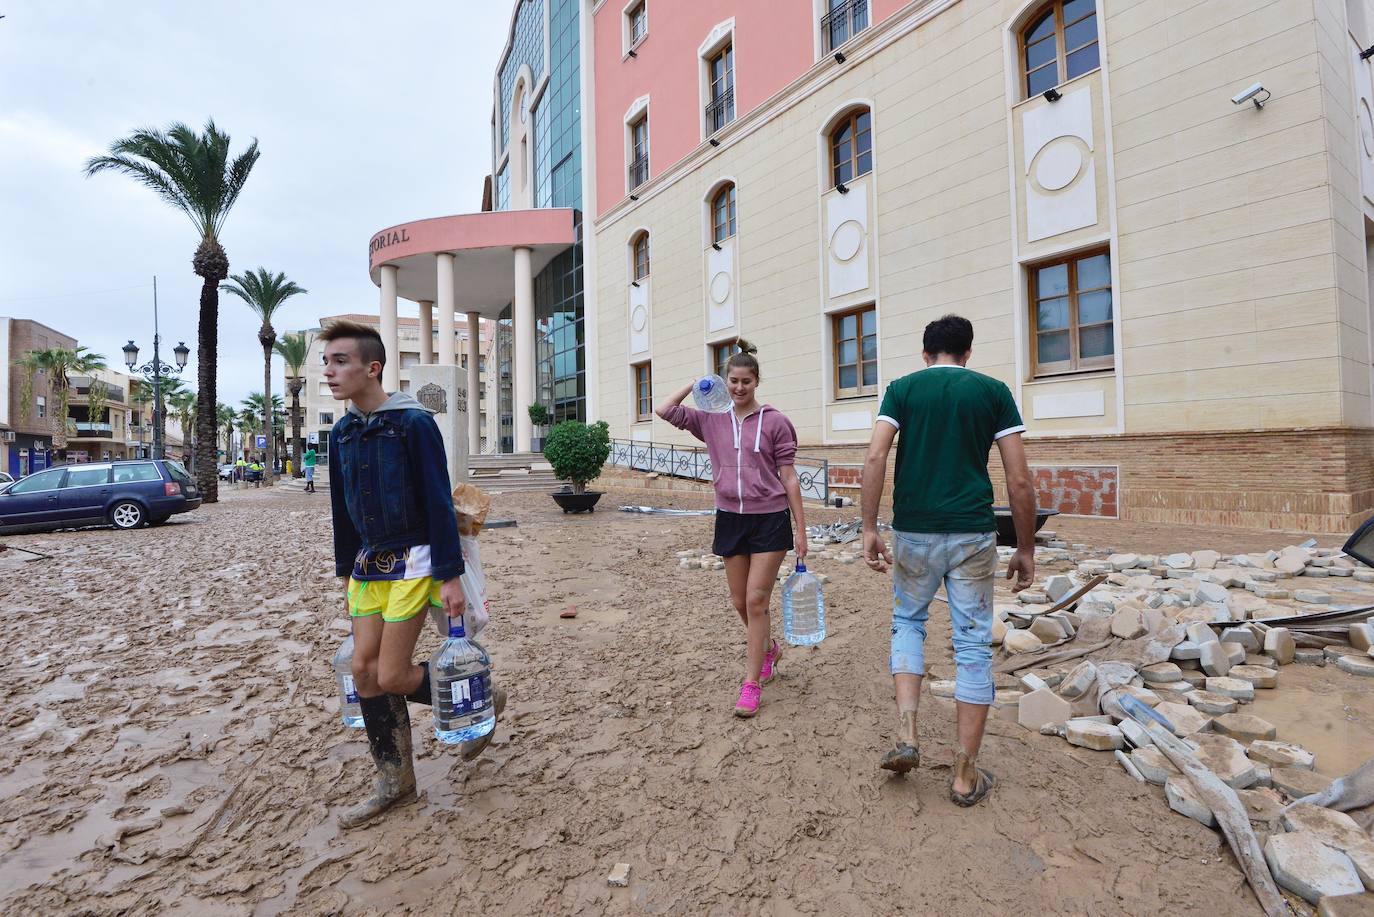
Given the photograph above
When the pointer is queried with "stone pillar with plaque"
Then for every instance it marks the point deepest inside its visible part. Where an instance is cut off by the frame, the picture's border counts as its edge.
(443, 391)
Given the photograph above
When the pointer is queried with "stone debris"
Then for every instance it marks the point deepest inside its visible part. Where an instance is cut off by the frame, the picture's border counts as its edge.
(1128, 624)
(1135, 734)
(1281, 754)
(1183, 799)
(1262, 805)
(1242, 635)
(1312, 597)
(1021, 641)
(1235, 653)
(1296, 782)
(1153, 765)
(1185, 720)
(1335, 829)
(1235, 688)
(1226, 758)
(1357, 665)
(1043, 706)
(1259, 676)
(1078, 681)
(620, 876)
(1362, 636)
(1211, 703)
(1346, 906)
(1305, 866)
(1214, 659)
(1093, 735)
(1308, 656)
(1160, 673)
(1244, 727)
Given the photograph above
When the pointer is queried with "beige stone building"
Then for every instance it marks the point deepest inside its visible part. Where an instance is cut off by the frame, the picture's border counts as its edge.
(1170, 267)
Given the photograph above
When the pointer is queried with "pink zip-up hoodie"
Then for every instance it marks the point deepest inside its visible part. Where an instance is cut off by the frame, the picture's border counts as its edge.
(745, 457)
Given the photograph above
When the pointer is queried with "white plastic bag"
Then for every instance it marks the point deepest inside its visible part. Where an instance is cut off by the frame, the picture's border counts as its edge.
(475, 616)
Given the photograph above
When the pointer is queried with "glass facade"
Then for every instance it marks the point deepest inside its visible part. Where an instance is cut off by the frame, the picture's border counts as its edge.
(527, 48)
(560, 341)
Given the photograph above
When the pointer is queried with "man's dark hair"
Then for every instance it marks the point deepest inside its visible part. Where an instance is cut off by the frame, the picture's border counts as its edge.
(951, 334)
(370, 346)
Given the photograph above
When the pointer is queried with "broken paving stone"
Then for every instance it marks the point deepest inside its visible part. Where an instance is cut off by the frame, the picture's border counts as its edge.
(620, 875)
(1096, 736)
(1033, 597)
(1212, 703)
(1281, 754)
(1259, 676)
(1214, 659)
(1187, 650)
(1153, 764)
(1185, 720)
(1234, 652)
(1357, 665)
(1183, 799)
(1047, 629)
(1337, 650)
(1236, 688)
(1242, 635)
(1200, 633)
(1211, 592)
(1361, 636)
(1226, 758)
(1179, 561)
(1296, 782)
(1305, 866)
(1262, 805)
(1264, 662)
(1364, 576)
(1124, 561)
(1306, 655)
(1340, 571)
(1160, 673)
(1312, 597)
(1205, 560)
(1180, 687)
(1290, 566)
(1195, 677)
(1078, 681)
(1146, 696)
(1128, 623)
(1337, 829)
(1056, 587)
(1361, 905)
(1244, 726)
(1042, 706)
(1135, 733)
(1021, 641)
(1315, 571)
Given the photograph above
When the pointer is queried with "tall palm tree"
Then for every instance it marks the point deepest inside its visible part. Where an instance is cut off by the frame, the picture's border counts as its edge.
(195, 174)
(257, 407)
(59, 364)
(183, 404)
(293, 348)
(264, 294)
(224, 420)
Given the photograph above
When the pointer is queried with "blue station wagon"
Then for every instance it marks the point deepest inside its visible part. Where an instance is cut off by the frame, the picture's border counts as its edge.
(125, 494)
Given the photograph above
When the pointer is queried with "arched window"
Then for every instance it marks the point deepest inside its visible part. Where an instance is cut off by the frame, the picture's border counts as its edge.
(640, 247)
(723, 213)
(851, 147)
(1059, 44)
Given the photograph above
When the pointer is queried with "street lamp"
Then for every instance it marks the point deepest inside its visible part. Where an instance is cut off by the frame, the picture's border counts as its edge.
(155, 369)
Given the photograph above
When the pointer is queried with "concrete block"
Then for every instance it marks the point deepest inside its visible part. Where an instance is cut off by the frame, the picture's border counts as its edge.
(1021, 641)
(1047, 629)
(999, 632)
(1258, 675)
(1205, 560)
(1179, 561)
(1078, 681)
(1214, 659)
(1056, 587)
(1195, 677)
(1096, 736)
(1135, 734)
(1242, 635)
(1184, 800)
(1153, 765)
(1312, 597)
(1124, 561)
(1200, 633)
(1211, 592)
(1042, 706)
(1185, 720)
(1235, 688)
(1290, 566)
(1333, 828)
(1212, 704)
(1128, 623)
(1306, 655)
(1357, 665)
(1305, 866)
(1264, 662)
(619, 876)
(1160, 673)
(1361, 636)
(1346, 905)
(1297, 782)
(1234, 652)
(1281, 754)
(1187, 650)
(1244, 727)
(1226, 758)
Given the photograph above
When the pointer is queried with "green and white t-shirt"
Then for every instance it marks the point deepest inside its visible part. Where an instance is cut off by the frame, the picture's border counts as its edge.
(947, 418)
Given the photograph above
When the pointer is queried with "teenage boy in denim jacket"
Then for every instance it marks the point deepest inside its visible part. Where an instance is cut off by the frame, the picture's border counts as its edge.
(396, 539)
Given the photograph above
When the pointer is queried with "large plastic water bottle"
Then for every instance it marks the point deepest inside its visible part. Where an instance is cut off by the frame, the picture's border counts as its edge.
(711, 395)
(460, 682)
(803, 609)
(349, 708)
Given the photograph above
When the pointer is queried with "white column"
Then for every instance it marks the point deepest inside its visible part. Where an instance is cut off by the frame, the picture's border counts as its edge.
(448, 347)
(426, 331)
(474, 384)
(523, 368)
(391, 373)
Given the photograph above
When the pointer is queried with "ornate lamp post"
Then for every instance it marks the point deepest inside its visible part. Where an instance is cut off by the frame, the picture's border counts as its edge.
(154, 370)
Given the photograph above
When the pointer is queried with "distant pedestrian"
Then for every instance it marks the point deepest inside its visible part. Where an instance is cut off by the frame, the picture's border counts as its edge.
(758, 500)
(308, 464)
(944, 529)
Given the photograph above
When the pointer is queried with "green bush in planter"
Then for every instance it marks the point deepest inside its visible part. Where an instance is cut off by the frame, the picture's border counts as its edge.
(539, 415)
(577, 451)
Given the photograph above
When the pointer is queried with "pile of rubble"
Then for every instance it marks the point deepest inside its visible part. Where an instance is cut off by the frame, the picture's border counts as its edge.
(1179, 645)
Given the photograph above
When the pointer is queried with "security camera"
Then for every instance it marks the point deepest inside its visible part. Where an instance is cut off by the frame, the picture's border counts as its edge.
(1252, 95)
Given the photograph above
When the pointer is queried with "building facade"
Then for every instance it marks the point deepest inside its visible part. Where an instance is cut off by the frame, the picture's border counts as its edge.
(320, 410)
(26, 426)
(1172, 276)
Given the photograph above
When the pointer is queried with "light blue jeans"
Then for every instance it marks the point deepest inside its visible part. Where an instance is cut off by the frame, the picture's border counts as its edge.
(966, 563)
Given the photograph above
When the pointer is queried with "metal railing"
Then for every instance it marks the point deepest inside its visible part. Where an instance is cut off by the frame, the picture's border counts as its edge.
(694, 464)
(81, 387)
(843, 22)
(639, 172)
(721, 111)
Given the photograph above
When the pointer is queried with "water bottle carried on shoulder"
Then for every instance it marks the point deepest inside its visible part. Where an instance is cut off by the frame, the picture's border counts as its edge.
(349, 708)
(803, 609)
(460, 685)
(710, 395)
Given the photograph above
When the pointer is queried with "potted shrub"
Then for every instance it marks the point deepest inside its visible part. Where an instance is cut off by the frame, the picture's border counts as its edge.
(539, 417)
(577, 451)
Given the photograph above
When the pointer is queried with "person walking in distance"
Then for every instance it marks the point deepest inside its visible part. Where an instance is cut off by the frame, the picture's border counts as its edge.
(396, 540)
(758, 499)
(308, 466)
(945, 419)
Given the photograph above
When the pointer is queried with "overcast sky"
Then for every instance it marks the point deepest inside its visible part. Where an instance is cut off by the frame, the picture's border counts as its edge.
(366, 114)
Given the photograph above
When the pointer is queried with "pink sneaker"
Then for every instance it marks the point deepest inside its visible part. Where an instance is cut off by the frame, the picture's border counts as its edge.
(770, 659)
(748, 703)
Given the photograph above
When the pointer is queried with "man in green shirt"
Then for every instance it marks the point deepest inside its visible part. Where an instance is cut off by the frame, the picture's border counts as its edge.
(945, 419)
(308, 463)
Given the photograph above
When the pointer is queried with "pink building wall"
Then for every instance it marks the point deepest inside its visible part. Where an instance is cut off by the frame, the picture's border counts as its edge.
(774, 44)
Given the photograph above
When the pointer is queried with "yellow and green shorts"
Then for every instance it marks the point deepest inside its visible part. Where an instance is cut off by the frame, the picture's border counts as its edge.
(395, 600)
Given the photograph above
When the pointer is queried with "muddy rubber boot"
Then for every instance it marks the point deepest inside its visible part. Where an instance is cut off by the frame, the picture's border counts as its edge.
(907, 755)
(471, 749)
(387, 721)
(422, 694)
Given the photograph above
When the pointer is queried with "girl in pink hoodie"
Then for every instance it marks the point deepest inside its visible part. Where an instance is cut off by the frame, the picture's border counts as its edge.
(752, 449)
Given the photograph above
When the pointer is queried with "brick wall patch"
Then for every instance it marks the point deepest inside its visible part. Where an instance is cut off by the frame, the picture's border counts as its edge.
(1077, 490)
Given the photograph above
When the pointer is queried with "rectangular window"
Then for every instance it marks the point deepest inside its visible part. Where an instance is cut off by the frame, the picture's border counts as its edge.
(327, 417)
(639, 151)
(1071, 314)
(42, 406)
(639, 23)
(855, 340)
(720, 70)
(324, 391)
(721, 354)
(845, 19)
(644, 392)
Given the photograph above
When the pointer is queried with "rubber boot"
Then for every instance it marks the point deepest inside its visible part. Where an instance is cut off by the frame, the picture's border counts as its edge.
(474, 747)
(423, 694)
(387, 722)
(907, 754)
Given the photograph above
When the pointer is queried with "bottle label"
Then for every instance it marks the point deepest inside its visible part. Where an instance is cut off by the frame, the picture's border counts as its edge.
(350, 692)
(470, 694)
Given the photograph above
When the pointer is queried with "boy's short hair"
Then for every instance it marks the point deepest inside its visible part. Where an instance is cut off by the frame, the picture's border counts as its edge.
(951, 334)
(369, 340)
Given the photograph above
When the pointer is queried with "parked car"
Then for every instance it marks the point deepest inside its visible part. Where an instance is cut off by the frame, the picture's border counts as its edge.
(125, 494)
(6, 479)
(226, 472)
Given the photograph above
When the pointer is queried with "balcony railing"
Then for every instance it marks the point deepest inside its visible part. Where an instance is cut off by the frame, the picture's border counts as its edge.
(85, 430)
(843, 22)
(695, 464)
(639, 172)
(81, 387)
(721, 111)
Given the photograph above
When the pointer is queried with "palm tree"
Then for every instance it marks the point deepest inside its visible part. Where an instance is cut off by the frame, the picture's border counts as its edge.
(58, 363)
(224, 420)
(195, 174)
(183, 404)
(293, 349)
(264, 294)
(255, 406)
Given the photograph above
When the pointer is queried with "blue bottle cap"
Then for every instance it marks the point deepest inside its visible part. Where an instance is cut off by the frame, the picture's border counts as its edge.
(801, 567)
(704, 385)
(455, 627)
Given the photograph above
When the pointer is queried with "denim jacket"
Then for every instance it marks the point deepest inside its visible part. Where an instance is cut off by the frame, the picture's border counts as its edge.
(389, 486)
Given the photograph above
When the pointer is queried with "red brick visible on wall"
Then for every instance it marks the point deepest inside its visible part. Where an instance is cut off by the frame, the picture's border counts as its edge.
(1077, 490)
(845, 475)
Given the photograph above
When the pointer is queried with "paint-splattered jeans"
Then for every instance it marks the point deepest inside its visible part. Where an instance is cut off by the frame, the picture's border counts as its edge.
(966, 563)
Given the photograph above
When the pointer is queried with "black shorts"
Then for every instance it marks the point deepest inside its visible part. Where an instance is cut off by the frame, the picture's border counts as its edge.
(752, 533)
